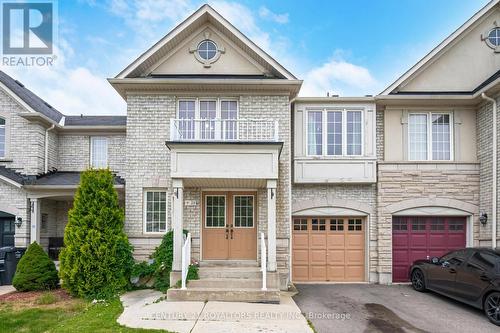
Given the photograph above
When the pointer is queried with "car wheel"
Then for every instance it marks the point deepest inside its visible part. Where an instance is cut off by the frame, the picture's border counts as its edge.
(492, 307)
(417, 280)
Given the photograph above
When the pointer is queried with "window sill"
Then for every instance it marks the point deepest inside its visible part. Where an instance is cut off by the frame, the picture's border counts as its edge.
(6, 159)
(335, 158)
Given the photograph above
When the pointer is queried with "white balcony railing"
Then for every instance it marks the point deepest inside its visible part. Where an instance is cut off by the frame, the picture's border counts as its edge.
(237, 130)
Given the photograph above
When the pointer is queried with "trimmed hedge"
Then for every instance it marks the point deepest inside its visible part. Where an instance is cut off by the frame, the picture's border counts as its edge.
(35, 271)
(97, 258)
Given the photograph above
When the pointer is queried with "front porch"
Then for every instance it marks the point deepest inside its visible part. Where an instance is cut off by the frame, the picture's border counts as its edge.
(50, 199)
(224, 192)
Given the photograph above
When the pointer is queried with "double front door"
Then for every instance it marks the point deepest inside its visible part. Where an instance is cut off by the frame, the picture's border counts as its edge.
(229, 225)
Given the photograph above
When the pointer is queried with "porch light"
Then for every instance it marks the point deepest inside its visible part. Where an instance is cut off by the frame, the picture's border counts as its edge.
(19, 222)
(483, 218)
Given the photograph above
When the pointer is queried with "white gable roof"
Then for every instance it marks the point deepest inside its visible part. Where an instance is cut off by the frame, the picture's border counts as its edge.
(148, 60)
(439, 50)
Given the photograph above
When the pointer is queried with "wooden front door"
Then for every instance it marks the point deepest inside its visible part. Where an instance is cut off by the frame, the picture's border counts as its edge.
(229, 225)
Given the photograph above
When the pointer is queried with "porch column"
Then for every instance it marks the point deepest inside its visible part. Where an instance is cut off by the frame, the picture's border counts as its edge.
(35, 220)
(177, 218)
(271, 225)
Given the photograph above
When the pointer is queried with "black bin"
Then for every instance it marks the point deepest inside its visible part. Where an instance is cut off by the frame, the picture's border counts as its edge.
(9, 257)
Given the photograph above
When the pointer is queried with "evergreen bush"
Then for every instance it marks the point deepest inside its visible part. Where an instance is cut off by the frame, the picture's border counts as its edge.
(97, 258)
(35, 271)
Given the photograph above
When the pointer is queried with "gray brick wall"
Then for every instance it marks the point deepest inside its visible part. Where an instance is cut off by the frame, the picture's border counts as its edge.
(74, 152)
(484, 132)
(148, 162)
(26, 142)
(14, 201)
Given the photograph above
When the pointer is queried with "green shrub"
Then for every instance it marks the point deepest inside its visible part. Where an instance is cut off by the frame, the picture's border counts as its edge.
(193, 273)
(97, 258)
(161, 264)
(35, 271)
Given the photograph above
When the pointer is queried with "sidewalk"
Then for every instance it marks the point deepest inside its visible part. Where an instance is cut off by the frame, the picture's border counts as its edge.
(148, 309)
(6, 289)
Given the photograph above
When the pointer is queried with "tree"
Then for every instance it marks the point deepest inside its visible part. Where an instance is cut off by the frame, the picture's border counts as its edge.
(35, 271)
(97, 257)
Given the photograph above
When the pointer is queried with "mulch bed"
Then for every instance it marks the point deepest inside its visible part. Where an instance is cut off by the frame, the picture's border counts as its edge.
(28, 296)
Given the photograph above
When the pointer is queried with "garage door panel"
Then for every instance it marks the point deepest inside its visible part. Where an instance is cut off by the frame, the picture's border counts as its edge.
(400, 240)
(318, 241)
(336, 273)
(336, 257)
(317, 257)
(300, 272)
(354, 257)
(428, 237)
(418, 240)
(355, 241)
(335, 248)
(301, 257)
(354, 272)
(400, 256)
(336, 241)
(317, 273)
(437, 240)
(301, 241)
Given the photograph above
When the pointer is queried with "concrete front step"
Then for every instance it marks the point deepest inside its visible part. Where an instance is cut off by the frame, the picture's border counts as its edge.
(225, 295)
(230, 272)
(226, 283)
(228, 263)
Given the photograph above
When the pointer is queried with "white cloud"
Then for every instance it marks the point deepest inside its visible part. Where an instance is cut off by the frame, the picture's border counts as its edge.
(267, 14)
(338, 76)
(70, 89)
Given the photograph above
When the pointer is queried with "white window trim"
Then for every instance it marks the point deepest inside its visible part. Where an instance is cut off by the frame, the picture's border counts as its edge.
(324, 136)
(4, 138)
(92, 138)
(218, 103)
(145, 211)
(253, 210)
(205, 213)
(429, 136)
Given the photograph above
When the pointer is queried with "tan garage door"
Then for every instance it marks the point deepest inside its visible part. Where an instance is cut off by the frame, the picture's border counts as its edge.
(328, 249)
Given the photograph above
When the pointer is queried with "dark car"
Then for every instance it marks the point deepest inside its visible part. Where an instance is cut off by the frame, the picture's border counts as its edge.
(469, 275)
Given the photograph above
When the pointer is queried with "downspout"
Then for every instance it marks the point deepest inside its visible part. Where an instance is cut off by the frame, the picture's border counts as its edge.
(494, 182)
(47, 147)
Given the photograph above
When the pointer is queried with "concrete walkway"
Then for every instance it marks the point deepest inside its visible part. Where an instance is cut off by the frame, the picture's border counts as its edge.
(149, 309)
(6, 289)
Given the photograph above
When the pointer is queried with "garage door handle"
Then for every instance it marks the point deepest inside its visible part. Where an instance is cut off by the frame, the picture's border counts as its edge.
(452, 271)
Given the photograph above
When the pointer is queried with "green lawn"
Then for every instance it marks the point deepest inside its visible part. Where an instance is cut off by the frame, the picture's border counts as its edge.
(71, 316)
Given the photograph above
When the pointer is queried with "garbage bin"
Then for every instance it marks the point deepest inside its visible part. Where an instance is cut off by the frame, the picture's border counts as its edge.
(9, 257)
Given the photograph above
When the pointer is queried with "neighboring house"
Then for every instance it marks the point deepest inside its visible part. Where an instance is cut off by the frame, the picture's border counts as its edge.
(217, 142)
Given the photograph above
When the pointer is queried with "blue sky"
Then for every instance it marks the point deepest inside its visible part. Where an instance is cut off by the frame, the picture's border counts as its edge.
(351, 48)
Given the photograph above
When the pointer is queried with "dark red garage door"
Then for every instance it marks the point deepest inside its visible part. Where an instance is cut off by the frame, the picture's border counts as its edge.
(421, 237)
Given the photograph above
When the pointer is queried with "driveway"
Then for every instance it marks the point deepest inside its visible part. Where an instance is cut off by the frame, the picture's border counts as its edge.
(380, 308)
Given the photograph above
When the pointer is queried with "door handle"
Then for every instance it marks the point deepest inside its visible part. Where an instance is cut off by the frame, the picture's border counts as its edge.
(231, 226)
(484, 277)
(227, 231)
(452, 270)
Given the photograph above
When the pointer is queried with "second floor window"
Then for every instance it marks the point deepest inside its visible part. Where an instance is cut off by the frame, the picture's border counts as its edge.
(430, 136)
(208, 119)
(99, 152)
(2, 137)
(335, 133)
